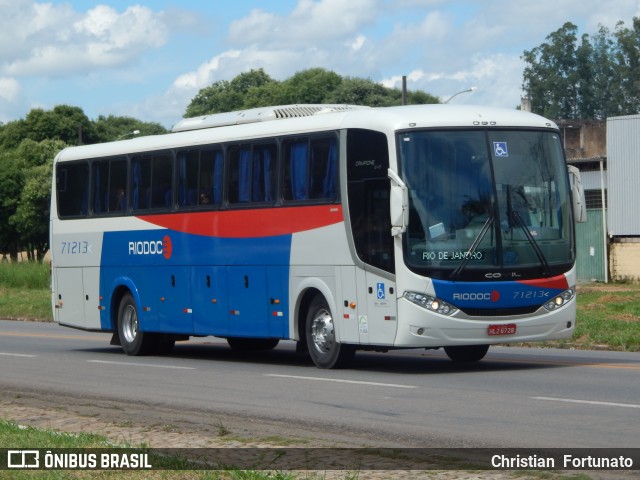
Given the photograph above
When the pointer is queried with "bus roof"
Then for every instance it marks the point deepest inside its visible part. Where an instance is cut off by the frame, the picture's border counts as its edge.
(301, 119)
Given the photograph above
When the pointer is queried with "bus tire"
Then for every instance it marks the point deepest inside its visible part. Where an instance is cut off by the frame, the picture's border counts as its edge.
(133, 341)
(323, 348)
(252, 344)
(467, 353)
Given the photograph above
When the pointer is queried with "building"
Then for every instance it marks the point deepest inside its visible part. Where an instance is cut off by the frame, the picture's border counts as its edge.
(623, 220)
(585, 144)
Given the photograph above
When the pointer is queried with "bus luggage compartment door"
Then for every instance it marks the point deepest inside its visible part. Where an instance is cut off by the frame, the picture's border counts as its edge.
(210, 307)
(248, 305)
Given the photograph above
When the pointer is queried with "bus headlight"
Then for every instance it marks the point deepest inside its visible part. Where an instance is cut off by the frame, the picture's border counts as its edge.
(430, 303)
(560, 300)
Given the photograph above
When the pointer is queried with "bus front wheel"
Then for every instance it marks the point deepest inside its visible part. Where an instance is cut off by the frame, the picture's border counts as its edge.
(467, 353)
(325, 350)
(132, 340)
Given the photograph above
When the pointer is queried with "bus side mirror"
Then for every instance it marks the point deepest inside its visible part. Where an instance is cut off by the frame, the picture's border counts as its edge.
(399, 200)
(577, 194)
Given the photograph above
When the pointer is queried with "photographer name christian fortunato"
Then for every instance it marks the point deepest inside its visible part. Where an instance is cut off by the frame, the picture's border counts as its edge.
(567, 461)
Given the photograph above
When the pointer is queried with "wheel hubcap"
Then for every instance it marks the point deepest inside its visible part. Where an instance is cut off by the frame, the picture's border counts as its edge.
(322, 331)
(130, 324)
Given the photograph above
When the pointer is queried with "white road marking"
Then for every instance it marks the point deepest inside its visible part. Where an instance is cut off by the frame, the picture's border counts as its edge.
(132, 364)
(338, 380)
(588, 402)
(17, 355)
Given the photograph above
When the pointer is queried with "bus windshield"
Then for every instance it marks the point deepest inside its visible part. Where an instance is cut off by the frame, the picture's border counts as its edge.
(483, 201)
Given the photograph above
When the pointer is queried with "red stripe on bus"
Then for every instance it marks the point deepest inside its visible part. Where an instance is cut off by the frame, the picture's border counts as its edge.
(559, 282)
(266, 222)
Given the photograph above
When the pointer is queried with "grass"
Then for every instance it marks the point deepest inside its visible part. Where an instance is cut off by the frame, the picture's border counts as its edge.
(608, 315)
(24, 275)
(24, 291)
(14, 436)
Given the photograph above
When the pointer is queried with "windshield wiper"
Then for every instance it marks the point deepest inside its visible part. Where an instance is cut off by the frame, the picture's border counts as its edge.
(474, 246)
(515, 216)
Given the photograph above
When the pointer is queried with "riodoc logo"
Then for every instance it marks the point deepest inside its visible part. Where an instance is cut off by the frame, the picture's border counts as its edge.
(162, 247)
(492, 296)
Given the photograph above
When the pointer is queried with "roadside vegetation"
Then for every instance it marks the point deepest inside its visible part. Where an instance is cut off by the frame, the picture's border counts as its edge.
(608, 314)
(166, 466)
(24, 291)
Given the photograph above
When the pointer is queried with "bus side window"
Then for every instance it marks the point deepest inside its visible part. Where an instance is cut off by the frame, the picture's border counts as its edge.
(210, 178)
(188, 161)
(72, 188)
(252, 173)
(310, 169)
(117, 185)
(151, 177)
(324, 159)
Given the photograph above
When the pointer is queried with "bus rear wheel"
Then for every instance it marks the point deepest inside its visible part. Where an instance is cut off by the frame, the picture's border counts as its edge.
(132, 340)
(325, 350)
(467, 353)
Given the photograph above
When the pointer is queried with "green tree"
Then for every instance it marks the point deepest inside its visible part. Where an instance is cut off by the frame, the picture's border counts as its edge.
(263, 96)
(66, 123)
(112, 128)
(595, 78)
(227, 96)
(31, 219)
(314, 85)
(362, 91)
(244, 82)
(11, 184)
(627, 65)
(550, 76)
(26, 212)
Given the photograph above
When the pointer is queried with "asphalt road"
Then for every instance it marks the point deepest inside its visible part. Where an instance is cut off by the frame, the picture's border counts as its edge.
(515, 397)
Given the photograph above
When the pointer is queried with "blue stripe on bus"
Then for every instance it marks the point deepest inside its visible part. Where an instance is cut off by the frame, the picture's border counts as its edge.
(496, 295)
(198, 285)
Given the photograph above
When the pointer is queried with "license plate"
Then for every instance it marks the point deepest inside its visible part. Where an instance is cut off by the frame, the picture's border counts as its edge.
(509, 329)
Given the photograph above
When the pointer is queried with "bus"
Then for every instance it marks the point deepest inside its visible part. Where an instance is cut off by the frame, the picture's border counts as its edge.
(339, 227)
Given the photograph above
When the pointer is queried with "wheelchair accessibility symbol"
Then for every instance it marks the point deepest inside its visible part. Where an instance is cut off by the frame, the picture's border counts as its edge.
(380, 291)
(500, 149)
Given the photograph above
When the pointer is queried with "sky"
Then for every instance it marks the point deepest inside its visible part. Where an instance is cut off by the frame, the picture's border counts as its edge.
(148, 59)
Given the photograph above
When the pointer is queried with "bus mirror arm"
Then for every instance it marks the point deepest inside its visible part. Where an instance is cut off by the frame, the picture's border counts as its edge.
(399, 199)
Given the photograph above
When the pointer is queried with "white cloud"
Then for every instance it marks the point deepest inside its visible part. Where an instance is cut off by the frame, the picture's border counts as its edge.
(9, 89)
(11, 99)
(205, 73)
(357, 44)
(49, 39)
(310, 23)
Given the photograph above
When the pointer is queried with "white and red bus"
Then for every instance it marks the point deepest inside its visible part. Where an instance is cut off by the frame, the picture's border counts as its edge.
(339, 227)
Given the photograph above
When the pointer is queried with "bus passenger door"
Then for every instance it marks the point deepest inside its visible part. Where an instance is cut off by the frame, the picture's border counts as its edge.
(210, 307)
(248, 306)
(381, 309)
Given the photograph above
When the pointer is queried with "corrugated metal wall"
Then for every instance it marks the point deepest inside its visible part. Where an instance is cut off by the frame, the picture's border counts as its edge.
(590, 248)
(623, 172)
